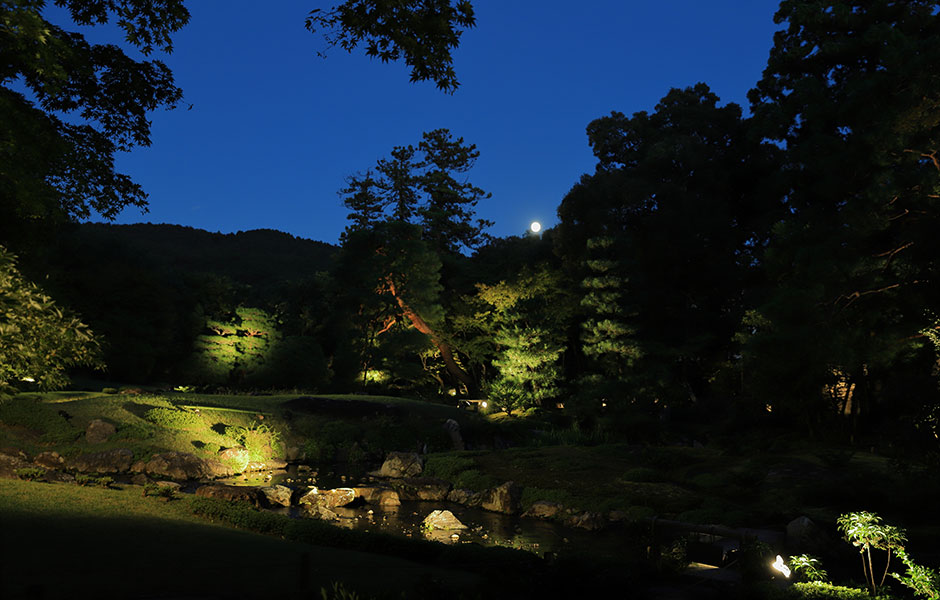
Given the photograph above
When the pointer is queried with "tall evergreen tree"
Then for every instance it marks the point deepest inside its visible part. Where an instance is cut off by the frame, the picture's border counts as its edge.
(410, 214)
(851, 92)
(675, 194)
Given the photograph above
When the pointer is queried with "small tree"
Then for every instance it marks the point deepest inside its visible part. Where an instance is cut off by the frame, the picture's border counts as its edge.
(865, 531)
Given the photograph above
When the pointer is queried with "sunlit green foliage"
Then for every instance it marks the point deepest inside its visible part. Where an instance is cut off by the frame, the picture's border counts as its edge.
(234, 350)
(38, 339)
(807, 568)
(924, 581)
(866, 531)
(523, 320)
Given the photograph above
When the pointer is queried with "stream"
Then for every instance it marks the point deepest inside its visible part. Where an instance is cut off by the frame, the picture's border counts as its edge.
(483, 527)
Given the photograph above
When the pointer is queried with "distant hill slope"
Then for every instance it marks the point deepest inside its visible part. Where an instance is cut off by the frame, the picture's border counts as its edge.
(256, 257)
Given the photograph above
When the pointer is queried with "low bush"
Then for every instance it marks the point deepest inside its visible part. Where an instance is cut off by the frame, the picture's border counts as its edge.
(30, 473)
(159, 491)
(260, 440)
(175, 418)
(531, 495)
(810, 590)
(84, 480)
(447, 466)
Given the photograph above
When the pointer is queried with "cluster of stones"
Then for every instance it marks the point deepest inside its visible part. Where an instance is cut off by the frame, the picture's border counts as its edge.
(180, 466)
(400, 478)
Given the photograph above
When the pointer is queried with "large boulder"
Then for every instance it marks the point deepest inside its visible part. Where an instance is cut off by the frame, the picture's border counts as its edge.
(49, 460)
(9, 463)
(401, 464)
(234, 493)
(465, 497)
(235, 458)
(452, 428)
(443, 519)
(99, 431)
(591, 521)
(177, 465)
(378, 496)
(503, 499)
(109, 461)
(277, 495)
(422, 488)
(806, 537)
(329, 498)
(315, 511)
(271, 464)
(544, 509)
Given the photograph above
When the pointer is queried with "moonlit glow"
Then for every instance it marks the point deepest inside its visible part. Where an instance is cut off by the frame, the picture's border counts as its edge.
(535, 227)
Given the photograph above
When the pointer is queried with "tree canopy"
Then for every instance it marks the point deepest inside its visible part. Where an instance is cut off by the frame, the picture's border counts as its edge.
(67, 106)
(421, 32)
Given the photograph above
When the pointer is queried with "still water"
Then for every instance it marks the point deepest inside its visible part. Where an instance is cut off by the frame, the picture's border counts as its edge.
(483, 527)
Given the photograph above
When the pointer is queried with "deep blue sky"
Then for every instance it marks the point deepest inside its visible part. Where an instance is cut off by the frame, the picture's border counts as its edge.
(274, 129)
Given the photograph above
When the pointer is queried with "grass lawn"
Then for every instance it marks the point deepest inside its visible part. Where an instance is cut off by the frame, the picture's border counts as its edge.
(66, 541)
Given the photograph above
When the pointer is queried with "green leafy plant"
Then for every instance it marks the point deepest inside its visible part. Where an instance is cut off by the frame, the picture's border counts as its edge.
(159, 491)
(813, 590)
(30, 473)
(261, 441)
(923, 580)
(339, 592)
(808, 568)
(866, 531)
(84, 480)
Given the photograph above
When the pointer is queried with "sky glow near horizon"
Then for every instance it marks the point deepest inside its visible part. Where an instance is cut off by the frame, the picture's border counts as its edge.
(274, 130)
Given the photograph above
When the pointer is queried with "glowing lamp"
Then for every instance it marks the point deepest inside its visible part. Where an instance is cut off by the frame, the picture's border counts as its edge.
(781, 566)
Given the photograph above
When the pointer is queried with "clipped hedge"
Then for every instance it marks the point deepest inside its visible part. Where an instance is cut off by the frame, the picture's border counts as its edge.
(813, 590)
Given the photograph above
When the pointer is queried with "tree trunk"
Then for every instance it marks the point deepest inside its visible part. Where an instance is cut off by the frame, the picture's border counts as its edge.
(442, 346)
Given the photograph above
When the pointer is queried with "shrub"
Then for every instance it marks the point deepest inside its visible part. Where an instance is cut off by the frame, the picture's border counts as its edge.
(83, 480)
(812, 590)
(808, 568)
(160, 491)
(447, 466)
(109, 390)
(923, 580)
(261, 441)
(30, 473)
(472, 479)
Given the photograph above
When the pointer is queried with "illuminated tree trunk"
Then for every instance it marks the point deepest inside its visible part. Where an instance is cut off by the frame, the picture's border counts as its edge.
(447, 354)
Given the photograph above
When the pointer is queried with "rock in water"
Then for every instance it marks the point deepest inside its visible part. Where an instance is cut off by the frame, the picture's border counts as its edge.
(277, 495)
(329, 498)
(503, 499)
(443, 519)
(401, 464)
(252, 495)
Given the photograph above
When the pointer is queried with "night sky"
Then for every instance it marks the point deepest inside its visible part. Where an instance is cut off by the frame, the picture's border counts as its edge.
(274, 129)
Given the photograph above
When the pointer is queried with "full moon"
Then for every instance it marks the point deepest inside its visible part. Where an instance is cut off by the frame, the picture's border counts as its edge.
(535, 227)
